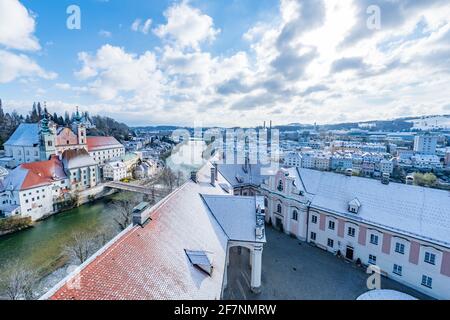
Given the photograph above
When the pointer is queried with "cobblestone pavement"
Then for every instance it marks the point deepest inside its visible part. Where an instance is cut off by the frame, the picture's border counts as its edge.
(294, 270)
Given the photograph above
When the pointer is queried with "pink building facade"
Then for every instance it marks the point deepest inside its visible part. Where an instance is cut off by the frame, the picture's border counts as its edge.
(420, 263)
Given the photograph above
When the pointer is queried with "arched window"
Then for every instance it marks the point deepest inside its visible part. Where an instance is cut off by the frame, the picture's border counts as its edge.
(279, 208)
(266, 202)
(295, 215)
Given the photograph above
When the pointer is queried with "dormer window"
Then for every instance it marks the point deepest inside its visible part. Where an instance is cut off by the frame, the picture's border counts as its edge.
(201, 260)
(354, 205)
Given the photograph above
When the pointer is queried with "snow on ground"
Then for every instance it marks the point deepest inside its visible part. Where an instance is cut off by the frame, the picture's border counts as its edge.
(433, 122)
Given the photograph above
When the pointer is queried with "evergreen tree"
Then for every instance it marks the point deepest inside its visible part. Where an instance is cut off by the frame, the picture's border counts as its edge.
(66, 118)
(2, 115)
(39, 110)
(34, 116)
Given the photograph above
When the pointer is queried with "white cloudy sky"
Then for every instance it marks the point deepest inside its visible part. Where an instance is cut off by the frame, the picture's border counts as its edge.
(295, 61)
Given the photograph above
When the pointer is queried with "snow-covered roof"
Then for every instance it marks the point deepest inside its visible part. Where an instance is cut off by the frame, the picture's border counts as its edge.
(26, 134)
(101, 143)
(77, 158)
(116, 164)
(236, 175)
(412, 210)
(34, 174)
(150, 262)
(229, 210)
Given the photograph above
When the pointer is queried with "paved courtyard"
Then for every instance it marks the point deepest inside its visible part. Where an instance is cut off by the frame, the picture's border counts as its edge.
(294, 270)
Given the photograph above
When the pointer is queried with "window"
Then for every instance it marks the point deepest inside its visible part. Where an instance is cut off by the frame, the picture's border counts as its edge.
(313, 236)
(295, 215)
(280, 185)
(331, 225)
(351, 231)
(279, 208)
(400, 248)
(430, 258)
(397, 269)
(372, 259)
(49, 143)
(314, 219)
(374, 239)
(330, 243)
(427, 281)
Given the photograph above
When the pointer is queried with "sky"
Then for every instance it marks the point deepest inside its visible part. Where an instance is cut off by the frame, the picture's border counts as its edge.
(228, 62)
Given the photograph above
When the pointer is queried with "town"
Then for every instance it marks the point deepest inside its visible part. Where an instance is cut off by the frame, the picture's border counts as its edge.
(230, 153)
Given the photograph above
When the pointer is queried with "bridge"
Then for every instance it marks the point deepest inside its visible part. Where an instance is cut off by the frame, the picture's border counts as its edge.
(135, 188)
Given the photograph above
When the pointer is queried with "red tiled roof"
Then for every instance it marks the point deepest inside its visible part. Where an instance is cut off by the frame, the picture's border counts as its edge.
(149, 263)
(95, 143)
(42, 173)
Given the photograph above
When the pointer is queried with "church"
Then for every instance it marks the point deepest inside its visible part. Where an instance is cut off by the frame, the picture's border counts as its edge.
(33, 142)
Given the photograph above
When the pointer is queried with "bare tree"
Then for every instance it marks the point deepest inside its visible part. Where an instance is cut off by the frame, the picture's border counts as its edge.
(167, 178)
(123, 211)
(19, 282)
(80, 246)
(180, 178)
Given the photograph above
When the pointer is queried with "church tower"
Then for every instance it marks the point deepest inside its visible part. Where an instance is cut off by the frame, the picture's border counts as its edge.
(79, 129)
(47, 139)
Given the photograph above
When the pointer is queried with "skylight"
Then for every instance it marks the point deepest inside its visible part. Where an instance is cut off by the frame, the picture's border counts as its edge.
(201, 260)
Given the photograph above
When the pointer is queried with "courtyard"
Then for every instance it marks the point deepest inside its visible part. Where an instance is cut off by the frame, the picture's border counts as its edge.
(295, 270)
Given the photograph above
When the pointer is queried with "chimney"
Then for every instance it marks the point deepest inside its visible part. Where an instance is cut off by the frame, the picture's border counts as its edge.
(213, 176)
(141, 214)
(385, 178)
(264, 125)
(194, 176)
(410, 180)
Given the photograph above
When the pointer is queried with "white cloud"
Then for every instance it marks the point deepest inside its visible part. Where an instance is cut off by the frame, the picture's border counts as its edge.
(113, 71)
(139, 26)
(105, 34)
(17, 26)
(14, 66)
(294, 71)
(186, 26)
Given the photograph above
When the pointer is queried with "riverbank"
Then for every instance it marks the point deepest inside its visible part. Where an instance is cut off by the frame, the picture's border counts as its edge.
(42, 247)
(14, 224)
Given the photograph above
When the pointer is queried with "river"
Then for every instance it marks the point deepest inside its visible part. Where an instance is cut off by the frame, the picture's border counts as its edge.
(42, 247)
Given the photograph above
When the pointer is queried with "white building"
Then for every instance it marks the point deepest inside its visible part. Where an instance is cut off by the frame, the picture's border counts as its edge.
(105, 149)
(24, 144)
(424, 161)
(425, 144)
(322, 161)
(308, 160)
(386, 166)
(115, 171)
(32, 189)
(293, 159)
(81, 169)
(403, 229)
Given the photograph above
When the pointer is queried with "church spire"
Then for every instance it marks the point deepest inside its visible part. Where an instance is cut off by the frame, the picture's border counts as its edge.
(44, 125)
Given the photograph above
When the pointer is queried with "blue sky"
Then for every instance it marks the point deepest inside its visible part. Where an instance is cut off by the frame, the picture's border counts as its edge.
(227, 62)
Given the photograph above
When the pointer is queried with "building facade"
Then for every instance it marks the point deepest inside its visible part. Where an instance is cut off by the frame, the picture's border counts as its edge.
(373, 227)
